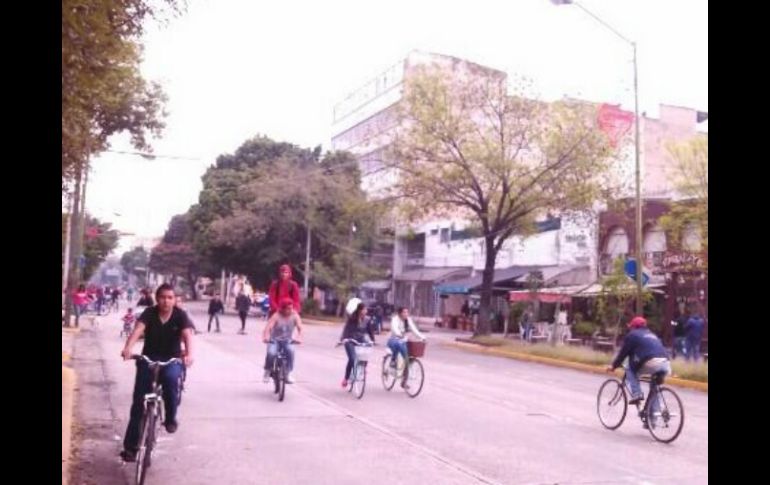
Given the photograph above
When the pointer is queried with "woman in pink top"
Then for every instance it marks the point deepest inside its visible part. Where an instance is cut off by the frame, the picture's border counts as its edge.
(79, 302)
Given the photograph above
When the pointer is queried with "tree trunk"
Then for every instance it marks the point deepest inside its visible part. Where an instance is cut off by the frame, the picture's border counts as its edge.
(193, 287)
(483, 327)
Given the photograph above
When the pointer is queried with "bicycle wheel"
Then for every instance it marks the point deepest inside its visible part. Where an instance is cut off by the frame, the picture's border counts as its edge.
(359, 380)
(388, 373)
(665, 415)
(143, 459)
(281, 380)
(416, 377)
(611, 404)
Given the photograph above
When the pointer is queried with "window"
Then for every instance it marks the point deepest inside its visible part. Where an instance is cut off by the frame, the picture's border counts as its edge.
(445, 235)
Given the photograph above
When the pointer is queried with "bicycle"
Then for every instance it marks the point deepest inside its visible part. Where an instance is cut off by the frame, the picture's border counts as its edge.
(152, 417)
(662, 411)
(357, 381)
(128, 327)
(279, 373)
(416, 378)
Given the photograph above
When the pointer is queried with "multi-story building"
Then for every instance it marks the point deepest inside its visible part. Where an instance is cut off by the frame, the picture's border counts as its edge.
(437, 263)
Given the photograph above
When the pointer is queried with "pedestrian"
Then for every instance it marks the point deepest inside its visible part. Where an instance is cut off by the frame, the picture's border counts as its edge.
(525, 325)
(694, 333)
(165, 327)
(284, 287)
(79, 303)
(115, 295)
(100, 299)
(242, 304)
(130, 294)
(265, 306)
(215, 308)
(680, 336)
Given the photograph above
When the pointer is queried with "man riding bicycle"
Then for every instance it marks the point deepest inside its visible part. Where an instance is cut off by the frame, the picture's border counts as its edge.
(400, 324)
(165, 327)
(278, 332)
(646, 356)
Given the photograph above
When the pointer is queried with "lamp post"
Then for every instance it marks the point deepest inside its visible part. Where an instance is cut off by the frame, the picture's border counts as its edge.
(638, 176)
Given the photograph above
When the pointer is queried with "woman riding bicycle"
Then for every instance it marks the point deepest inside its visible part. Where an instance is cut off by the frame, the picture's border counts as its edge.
(400, 324)
(278, 331)
(356, 328)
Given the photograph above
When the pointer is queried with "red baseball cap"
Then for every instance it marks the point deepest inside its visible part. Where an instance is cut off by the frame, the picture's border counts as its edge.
(637, 322)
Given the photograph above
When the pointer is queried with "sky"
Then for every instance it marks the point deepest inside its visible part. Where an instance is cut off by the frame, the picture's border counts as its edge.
(237, 68)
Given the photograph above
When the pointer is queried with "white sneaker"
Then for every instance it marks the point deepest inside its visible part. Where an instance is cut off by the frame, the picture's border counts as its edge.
(290, 378)
(266, 377)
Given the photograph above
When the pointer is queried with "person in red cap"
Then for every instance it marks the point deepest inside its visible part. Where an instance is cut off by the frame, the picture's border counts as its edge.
(279, 331)
(284, 287)
(646, 356)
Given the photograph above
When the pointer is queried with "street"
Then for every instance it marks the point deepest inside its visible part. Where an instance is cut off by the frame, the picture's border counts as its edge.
(479, 419)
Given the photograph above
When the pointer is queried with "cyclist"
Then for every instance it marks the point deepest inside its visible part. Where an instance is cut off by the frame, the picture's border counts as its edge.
(400, 324)
(128, 321)
(357, 328)
(284, 287)
(646, 356)
(278, 331)
(165, 327)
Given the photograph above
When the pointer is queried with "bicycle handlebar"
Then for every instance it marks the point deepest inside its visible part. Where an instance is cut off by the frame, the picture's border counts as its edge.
(355, 342)
(158, 363)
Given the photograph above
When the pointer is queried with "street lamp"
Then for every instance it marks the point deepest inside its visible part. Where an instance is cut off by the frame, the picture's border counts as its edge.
(638, 218)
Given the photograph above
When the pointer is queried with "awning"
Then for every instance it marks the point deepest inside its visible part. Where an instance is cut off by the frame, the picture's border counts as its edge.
(561, 294)
(508, 278)
(433, 274)
(596, 289)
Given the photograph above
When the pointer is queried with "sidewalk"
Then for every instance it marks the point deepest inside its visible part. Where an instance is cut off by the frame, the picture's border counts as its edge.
(68, 382)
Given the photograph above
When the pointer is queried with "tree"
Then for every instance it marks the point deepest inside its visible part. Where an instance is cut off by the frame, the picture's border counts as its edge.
(175, 255)
(686, 223)
(257, 204)
(103, 91)
(136, 262)
(466, 148)
(100, 241)
(613, 304)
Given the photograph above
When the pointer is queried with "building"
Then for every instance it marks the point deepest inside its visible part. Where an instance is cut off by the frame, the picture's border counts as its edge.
(437, 263)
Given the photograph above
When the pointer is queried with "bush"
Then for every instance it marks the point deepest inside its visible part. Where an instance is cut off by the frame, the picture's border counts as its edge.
(311, 307)
(584, 328)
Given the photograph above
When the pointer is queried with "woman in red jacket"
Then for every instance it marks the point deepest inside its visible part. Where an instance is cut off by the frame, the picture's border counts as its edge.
(284, 287)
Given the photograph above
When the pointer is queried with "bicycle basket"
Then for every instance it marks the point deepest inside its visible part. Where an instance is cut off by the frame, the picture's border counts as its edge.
(415, 349)
(362, 353)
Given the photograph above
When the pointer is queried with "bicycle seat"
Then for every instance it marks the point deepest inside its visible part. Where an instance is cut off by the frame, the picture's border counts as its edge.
(659, 377)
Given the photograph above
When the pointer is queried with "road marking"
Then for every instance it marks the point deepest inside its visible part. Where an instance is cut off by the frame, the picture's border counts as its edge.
(425, 450)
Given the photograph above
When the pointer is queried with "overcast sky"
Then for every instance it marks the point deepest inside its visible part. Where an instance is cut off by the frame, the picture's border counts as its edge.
(236, 68)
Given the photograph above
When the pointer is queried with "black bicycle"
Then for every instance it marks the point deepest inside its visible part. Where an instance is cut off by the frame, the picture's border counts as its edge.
(279, 373)
(152, 416)
(662, 413)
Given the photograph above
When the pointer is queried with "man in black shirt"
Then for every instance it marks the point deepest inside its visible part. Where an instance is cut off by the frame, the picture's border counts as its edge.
(165, 327)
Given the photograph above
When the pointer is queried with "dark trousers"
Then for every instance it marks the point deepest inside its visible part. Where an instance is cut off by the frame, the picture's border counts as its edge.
(243, 319)
(350, 349)
(212, 317)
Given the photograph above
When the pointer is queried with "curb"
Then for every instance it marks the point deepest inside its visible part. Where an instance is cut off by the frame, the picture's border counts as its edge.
(674, 381)
(68, 380)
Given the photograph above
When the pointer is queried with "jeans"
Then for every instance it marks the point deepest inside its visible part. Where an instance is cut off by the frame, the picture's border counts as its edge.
(350, 349)
(169, 379)
(243, 316)
(693, 349)
(212, 317)
(79, 310)
(398, 346)
(272, 352)
(650, 367)
(680, 347)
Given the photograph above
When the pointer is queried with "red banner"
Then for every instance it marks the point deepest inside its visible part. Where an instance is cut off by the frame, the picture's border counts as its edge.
(614, 122)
